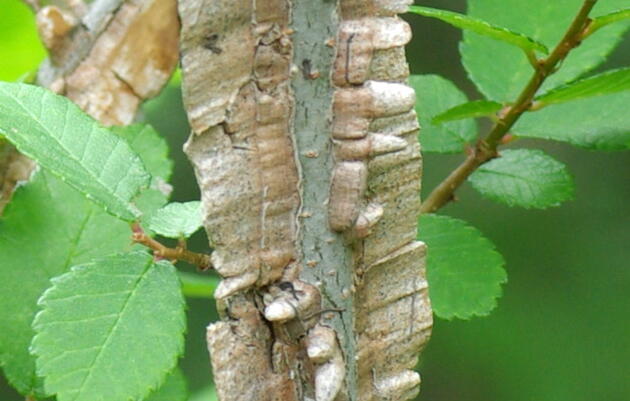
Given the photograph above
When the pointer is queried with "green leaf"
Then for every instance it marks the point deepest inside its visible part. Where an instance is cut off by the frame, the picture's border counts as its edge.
(481, 27)
(110, 330)
(177, 220)
(599, 123)
(197, 285)
(607, 19)
(173, 389)
(500, 71)
(436, 94)
(21, 50)
(60, 137)
(602, 84)
(524, 177)
(476, 108)
(47, 228)
(464, 270)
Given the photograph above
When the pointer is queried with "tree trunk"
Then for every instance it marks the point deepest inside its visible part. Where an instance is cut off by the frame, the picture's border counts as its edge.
(305, 148)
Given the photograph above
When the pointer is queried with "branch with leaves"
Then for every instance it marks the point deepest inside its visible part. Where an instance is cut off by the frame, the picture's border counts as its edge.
(535, 94)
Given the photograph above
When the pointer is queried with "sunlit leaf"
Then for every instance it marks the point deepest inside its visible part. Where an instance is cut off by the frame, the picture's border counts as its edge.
(464, 270)
(97, 315)
(524, 177)
(60, 137)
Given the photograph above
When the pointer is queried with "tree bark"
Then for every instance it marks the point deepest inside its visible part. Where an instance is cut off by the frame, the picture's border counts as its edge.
(305, 149)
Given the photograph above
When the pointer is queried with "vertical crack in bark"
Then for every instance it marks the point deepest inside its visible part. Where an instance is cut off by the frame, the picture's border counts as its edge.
(107, 59)
(304, 146)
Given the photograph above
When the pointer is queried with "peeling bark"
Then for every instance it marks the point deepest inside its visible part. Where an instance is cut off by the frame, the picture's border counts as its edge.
(305, 148)
(107, 58)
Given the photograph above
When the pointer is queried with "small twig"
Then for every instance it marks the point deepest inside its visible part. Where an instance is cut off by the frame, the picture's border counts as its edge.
(486, 149)
(161, 251)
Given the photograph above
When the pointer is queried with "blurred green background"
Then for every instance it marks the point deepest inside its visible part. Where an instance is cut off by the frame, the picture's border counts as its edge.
(561, 331)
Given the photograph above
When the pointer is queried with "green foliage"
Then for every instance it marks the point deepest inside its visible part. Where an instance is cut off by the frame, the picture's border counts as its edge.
(173, 389)
(607, 19)
(599, 123)
(111, 329)
(48, 227)
(524, 177)
(500, 71)
(605, 83)
(482, 27)
(21, 50)
(464, 270)
(476, 108)
(177, 220)
(434, 95)
(197, 286)
(62, 138)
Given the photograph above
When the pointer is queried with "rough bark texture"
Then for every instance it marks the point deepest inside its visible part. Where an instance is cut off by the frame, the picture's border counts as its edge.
(304, 145)
(107, 58)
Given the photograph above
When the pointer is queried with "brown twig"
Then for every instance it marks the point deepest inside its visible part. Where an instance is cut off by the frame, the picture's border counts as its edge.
(486, 149)
(161, 251)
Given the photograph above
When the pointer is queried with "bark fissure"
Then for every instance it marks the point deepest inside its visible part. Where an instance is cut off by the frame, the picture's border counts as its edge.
(305, 148)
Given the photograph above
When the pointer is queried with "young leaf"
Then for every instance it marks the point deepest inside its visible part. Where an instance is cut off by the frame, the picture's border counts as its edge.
(173, 389)
(464, 270)
(607, 19)
(62, 138)
(476, 108)
(482, 28)
(524, 177)
(599, 123)
(177, 220)
(47, 227)
(97, 315)
(436, 94)
(602, 84)
(501, 72)
(57, 227)
(198, 286)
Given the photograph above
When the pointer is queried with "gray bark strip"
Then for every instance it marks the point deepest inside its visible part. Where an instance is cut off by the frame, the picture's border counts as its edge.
(305, 148)
(107, 57)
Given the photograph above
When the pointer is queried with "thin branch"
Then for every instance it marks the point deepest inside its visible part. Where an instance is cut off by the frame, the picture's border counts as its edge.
(161, 251)
(486, 149)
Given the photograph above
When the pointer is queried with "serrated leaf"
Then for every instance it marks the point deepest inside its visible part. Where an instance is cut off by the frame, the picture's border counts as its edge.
(524, 177)
(54, 132)
(97, 315)
(476, 108)
(605, 83)
(500, 71)
(599, 123)
(47, 228)
(177, 220)
(434, 95)
(482, 28)
(464, 270)
(607, 19)
(173, 389)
